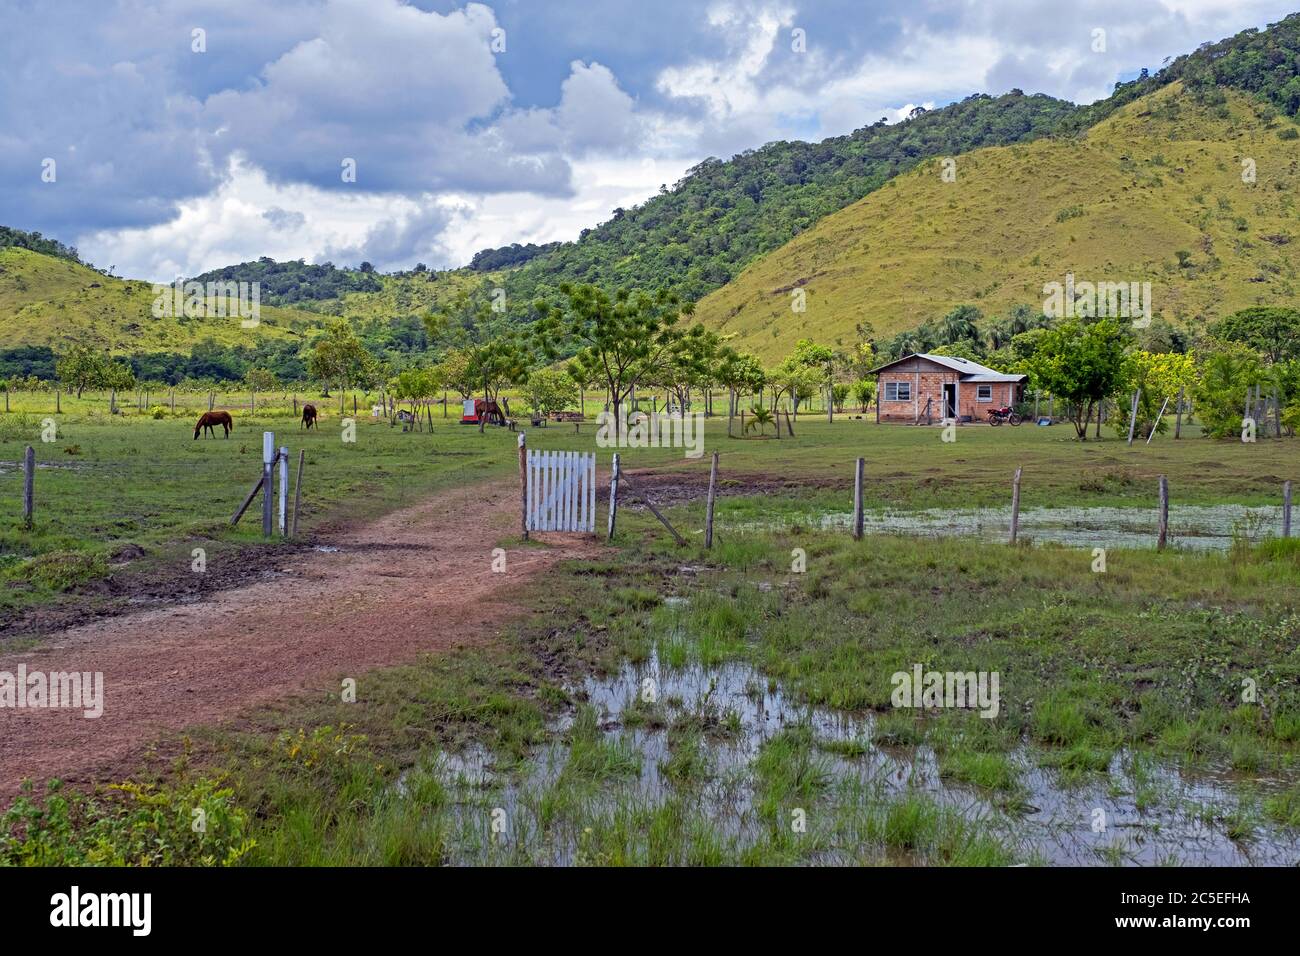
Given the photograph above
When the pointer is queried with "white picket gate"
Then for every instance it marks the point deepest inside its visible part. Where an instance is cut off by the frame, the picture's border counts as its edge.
(561, 487)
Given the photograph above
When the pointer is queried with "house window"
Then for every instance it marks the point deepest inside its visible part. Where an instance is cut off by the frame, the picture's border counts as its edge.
(898, 391)
(984, 393)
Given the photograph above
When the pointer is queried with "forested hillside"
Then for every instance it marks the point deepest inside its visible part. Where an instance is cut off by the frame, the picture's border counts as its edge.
(1155, 193)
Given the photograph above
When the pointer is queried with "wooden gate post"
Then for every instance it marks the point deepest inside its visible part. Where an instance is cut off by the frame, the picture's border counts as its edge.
(1163, 534)
(713, 490)
(613, 496)
(523, 482)
(1015, 505)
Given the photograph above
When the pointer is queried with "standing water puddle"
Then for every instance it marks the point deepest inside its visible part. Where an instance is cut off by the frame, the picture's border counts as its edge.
(1196, 527)
(665, 733)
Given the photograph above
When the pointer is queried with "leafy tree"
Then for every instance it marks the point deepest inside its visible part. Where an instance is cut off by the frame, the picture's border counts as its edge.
(741, 374)
(339, 358)
(622, 339)
(500, 353)
(864, 390)
(1159, 376)
(690, 364)
(1226, 371)
(1082, 364)
(1273, 332)
(415, 386)
(82, 368)
(260, 380)
(456, 372)
(550, 390)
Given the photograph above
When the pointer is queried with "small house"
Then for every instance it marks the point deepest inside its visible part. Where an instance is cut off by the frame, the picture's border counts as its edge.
(925, 388)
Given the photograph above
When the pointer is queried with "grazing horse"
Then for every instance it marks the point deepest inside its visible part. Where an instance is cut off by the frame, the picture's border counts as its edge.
(308, 415)
(208, 421)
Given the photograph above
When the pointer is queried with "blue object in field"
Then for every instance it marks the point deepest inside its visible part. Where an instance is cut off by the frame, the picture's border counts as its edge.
(1044, 421)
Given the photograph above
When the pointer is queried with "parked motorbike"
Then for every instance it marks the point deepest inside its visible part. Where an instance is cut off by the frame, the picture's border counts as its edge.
(999, 415)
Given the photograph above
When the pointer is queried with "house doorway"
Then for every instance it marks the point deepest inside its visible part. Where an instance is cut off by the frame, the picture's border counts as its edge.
(950, 400)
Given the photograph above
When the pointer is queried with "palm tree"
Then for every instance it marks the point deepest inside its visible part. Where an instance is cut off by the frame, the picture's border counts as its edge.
(762, 418)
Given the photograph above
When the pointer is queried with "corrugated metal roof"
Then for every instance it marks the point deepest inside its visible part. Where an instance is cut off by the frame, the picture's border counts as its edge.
(970, 371)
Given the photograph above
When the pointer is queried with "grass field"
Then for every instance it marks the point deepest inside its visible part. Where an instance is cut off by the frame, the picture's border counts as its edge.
(1162, 693)
(109, 482)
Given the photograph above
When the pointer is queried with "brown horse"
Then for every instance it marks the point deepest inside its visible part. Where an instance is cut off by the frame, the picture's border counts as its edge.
(208, 421)
(308, 415)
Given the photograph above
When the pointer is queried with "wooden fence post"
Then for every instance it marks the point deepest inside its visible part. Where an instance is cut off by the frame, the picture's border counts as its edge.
(1015, 504)
(1178, 416)
(268, 480)
(1286, 509)
(523, 482)
(708, 511)
(1163, 535)
(613, 496)
(297, 491)
(857, 499)
(29, 477)
(58, 402)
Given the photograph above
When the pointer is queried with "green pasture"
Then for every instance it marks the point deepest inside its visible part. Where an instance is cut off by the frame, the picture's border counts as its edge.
(140, 478)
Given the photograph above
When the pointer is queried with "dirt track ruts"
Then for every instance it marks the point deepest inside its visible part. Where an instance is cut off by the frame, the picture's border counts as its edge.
(329, 614)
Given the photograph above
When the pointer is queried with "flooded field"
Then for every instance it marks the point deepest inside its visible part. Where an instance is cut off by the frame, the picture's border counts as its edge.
(1193, 527)
(723, 756)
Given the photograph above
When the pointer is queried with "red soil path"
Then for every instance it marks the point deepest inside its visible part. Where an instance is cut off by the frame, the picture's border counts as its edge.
(412, 582)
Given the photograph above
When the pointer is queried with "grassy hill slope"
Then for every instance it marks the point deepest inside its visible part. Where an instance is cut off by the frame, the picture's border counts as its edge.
(1162, 175)
(53, 301)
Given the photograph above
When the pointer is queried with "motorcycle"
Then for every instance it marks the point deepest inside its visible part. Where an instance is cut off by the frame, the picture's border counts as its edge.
(999, 415)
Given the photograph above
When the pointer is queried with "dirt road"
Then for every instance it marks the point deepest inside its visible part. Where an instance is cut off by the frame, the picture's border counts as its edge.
(415, 581)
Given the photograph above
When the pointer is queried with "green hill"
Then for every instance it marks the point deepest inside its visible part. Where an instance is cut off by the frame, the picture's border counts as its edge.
(1154, 193)
(54, 301)
(722, 215)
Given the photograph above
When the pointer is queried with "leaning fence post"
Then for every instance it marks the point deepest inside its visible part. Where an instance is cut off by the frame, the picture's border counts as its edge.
(713, 490)
(523, 482)
(857, 499)
(1164, 514)
(613, 496)
(1133, 417)
(268, 462)
(29, 475)
(1015, 505)
(1286, 509)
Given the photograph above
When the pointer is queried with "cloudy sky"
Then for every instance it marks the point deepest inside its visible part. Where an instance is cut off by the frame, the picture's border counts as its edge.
(169, 137)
